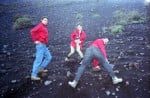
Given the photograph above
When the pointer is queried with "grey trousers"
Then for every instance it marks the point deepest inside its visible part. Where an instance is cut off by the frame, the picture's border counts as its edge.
(91, 53)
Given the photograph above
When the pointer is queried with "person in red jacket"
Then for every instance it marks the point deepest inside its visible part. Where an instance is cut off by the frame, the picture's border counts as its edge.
(39, 35)
(94, 52)
(78, 36)
(102, 43)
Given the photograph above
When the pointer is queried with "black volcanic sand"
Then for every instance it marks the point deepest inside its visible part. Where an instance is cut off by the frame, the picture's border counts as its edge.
(128, 50)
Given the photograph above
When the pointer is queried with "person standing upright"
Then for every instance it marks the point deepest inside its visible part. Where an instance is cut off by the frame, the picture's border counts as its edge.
(39, 35)
(78, 36)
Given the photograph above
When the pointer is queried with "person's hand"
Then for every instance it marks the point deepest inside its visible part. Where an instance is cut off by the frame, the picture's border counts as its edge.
(37, 42)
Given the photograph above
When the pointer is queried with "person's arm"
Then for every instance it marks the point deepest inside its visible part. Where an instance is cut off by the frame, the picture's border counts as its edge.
(83, 37)
(103, 49)
(101, 45)
(34, 33)
(73, 36)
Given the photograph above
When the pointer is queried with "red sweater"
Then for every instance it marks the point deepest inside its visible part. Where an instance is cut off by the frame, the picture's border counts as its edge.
(39, 33)
(74, 35)
(100, 44)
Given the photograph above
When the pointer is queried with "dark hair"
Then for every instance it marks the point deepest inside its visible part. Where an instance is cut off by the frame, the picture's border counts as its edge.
(44, 17)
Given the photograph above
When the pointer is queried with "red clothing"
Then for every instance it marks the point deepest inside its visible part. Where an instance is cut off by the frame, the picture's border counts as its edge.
(74, 35)
(100, 44)
(39, 33)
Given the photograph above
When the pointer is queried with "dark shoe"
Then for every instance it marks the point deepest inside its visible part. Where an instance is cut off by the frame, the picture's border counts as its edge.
(43, 70)
(80, 62)
(67, 59)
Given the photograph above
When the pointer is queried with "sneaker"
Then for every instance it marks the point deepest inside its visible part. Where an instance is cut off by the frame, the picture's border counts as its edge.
(43, 70)
(66, 59)
(80, 62)
(73, 83)
(35, 78)
(116, 80)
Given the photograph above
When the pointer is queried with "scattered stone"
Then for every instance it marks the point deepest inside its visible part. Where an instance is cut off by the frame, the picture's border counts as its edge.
(60, 84)
(117, 36)
(5, 46)
(86, 83)
(116, 48)
(148, 47)
(37, 92)
(139, 80)
(113, 93)
(142, 54)
(107, 93)
(2, 65)
(116, 71)
(140, 38)
(91, 84)
(91, 10)
(100, 77)
(13, 81)
(47, 82)
(130, 47)
(121, 54)
(127, 83)
(117, 89)
(125, 66)
(142, 70)
(119, 57)
(68, 73)
(12, 89)
(78, 89)
(58, 73)
(54, 80)
(4, 51)
(103, 88)
(27, 77)
(8, 53)
(50, 89)
(136, 89)
(116, 96)
(34, 88)
(136, 65)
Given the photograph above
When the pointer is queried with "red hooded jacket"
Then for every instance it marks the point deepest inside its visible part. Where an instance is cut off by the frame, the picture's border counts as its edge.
(100, 44)
(39, 33)
(74, 35)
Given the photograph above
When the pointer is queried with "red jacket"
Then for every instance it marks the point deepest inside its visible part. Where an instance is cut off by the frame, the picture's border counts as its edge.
(74, 35)
(100, 44)
(39, 33)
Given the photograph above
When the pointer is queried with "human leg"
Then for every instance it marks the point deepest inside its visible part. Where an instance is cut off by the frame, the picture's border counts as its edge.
(38, 59)
(72, 50)
(107, 66)
(47, 58)
(87, 59)
(78, 49)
